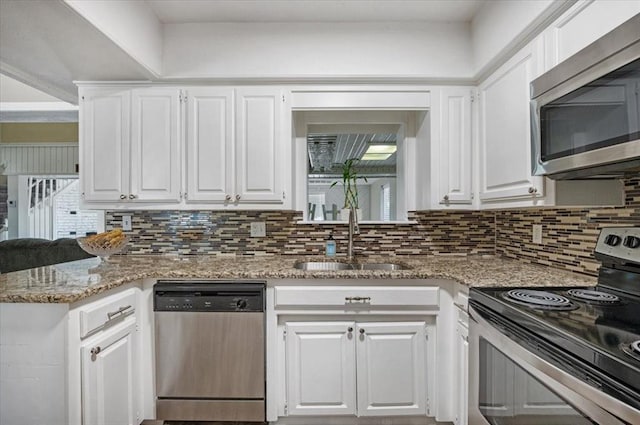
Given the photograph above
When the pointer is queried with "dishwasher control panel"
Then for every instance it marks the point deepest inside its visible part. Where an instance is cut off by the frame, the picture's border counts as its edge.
(202, 296)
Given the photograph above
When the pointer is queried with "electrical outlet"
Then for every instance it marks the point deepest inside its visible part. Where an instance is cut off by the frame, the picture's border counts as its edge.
(126, 222)
(258, 229)
(537, 233)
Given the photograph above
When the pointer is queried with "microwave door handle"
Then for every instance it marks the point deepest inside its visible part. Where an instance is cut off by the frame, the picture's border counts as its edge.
(537, 167)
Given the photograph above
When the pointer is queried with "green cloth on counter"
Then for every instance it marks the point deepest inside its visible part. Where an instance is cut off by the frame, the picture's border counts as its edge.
(22, 254)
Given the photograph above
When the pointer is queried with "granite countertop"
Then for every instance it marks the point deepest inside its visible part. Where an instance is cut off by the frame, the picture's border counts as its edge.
(73, 281)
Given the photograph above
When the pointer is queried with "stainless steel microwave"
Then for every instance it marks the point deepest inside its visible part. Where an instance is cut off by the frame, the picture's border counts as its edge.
(585, 112)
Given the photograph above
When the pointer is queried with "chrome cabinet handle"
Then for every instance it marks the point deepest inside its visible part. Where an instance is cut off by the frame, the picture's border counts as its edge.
(132, 196)
(533, 190)
(361, 331)
(446, 197)
(349, 329)
(364, 299)
(237, 198)
(123, 196)
(95, 350)
(118, 311)
(227, 198)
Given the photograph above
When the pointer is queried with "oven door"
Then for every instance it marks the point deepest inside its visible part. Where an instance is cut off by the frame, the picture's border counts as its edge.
(510, 385)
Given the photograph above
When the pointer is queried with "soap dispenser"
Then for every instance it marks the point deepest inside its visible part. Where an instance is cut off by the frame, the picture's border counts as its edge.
(330, 249)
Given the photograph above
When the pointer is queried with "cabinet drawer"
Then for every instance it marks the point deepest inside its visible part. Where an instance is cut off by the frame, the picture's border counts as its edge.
(97, 315)
(355, 296)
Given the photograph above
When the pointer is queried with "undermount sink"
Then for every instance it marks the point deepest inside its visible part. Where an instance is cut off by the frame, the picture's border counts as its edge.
(327, 266)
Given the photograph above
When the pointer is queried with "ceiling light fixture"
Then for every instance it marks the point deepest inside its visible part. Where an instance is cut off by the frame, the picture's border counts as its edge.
(379, 152)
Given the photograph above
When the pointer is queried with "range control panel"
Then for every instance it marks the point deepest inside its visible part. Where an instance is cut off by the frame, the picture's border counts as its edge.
(620, 242)
(208, 296)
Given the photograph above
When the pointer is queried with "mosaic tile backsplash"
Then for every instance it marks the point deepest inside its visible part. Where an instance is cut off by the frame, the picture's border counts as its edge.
(569, 234)
(215, 232)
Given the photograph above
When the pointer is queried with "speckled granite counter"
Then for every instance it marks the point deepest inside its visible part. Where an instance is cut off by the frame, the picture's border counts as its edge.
(70, 282)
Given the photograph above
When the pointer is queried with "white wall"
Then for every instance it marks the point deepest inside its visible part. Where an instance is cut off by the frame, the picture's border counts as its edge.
(69, 221)
(498, 24)
(32, 363)
(272, 50)
(12, 210)
(14, 91)
(132, 25)
(375, 186)
(26, 158)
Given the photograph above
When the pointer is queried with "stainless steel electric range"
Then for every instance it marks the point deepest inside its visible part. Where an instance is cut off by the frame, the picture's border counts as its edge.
(560, 355)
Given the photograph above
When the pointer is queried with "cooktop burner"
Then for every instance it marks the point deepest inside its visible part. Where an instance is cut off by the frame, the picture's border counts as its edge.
(594, 297)
(539, 299)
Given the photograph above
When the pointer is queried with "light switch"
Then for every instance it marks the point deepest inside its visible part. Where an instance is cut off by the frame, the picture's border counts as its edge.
(537, 233)
(126, 222)
(258, 229)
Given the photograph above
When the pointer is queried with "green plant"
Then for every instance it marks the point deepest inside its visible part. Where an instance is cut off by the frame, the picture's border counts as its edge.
(349, 182)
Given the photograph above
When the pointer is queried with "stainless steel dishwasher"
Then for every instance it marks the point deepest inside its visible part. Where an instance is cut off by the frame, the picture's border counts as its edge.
(210, 351)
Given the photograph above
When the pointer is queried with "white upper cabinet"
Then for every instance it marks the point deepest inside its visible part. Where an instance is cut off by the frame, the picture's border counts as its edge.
(504, 129)
(259, 145)
(582, 24)
(155, 144)
(104, 146)
(130, 144)
(454, 148)
(209, 153)
(235, 146)
(234, 153)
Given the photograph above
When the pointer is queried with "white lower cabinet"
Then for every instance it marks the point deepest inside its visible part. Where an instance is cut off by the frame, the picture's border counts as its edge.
(356, 368)
(109, 377)
(462, 350)
(106, 380)
(391, 366)
(321, 368)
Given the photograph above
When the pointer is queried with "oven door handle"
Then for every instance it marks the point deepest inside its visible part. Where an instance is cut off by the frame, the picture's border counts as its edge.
(596, 404)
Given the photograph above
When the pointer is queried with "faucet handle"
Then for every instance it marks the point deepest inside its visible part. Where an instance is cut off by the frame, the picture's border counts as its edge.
(359, 250)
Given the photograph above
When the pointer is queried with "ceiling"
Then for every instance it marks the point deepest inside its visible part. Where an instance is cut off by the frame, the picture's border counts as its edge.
(187, 11)
(337, 148)
(47, 45)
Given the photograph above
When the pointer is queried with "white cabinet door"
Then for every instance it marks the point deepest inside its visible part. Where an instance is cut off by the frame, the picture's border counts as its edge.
(505, 141)
(209, 162)
(391, 368)
(582, 24)
(155, 145)
(109, 377)
(462, 346)
(104, 143)
(321, 368)
(259, 145)
(454, 160)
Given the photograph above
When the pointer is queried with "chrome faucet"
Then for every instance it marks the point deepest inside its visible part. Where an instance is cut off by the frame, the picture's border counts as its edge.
(354, 229)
